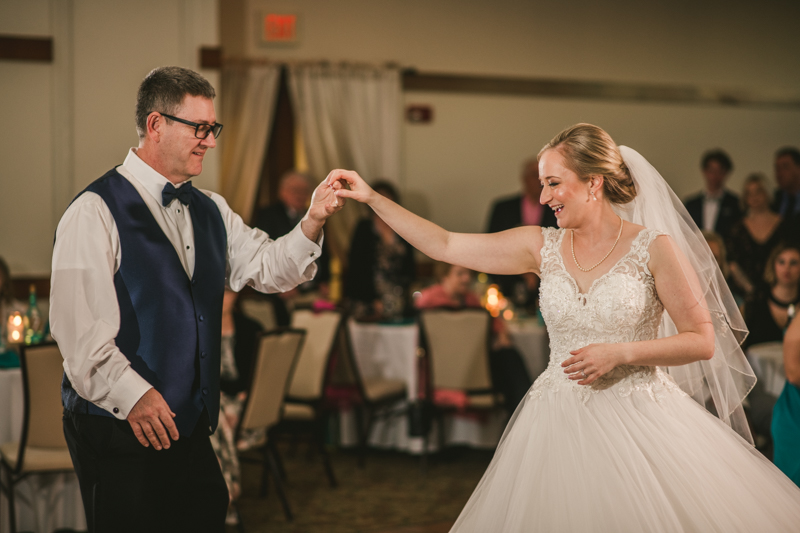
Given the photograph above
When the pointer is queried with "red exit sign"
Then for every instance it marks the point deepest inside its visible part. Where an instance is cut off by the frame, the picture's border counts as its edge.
(280, 28)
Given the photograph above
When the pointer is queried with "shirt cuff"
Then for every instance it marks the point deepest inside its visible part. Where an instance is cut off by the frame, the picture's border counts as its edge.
(127, 391)
(303, 251)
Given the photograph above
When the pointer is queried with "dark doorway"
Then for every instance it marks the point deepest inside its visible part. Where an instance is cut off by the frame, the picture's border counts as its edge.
(280, 155)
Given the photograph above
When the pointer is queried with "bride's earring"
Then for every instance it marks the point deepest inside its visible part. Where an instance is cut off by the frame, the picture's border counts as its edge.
(593, 196)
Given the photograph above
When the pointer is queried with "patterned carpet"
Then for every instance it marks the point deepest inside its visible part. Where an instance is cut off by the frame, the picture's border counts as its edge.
(390, 495)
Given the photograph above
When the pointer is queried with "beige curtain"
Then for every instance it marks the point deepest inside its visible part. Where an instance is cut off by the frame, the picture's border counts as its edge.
(248, 105)
(349, 117)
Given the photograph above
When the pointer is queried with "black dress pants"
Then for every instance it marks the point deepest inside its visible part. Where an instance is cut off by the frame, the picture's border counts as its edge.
(129, 488)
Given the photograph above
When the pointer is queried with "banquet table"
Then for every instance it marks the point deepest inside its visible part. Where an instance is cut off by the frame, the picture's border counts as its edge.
(46, 502)
(530, 338)
(766, 358)
(390, 351)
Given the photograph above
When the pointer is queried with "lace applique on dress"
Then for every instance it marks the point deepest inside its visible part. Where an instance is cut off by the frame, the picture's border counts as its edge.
(620, 306)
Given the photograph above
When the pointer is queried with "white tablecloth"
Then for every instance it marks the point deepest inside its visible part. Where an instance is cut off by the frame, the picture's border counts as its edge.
(532, 341)
(45, 502)
(390, 351)
(767, 361)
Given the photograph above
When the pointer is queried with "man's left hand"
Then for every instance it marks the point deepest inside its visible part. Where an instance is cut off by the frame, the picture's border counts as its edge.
(324, 203)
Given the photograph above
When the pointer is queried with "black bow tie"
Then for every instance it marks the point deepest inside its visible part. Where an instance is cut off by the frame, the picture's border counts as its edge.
(182, 193)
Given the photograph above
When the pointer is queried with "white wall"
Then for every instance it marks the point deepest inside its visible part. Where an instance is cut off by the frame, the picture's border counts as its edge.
(473, 149)
(68, 122)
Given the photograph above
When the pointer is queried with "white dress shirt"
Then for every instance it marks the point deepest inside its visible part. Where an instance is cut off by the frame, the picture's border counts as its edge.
(711, 203)
(84, 312)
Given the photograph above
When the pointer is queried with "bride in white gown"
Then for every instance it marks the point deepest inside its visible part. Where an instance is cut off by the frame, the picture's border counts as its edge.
(611, 437)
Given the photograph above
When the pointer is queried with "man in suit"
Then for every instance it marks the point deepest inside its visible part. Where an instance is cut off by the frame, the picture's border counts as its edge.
(716, 208)
(787, 174)
(140, 264)
(521, 210)
(278, 219)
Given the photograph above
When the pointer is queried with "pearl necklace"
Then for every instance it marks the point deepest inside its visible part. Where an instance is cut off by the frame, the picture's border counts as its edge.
(572, 245)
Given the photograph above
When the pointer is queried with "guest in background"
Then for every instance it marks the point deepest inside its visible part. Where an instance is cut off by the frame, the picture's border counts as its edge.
(786, 414)
(752, 238)
(509, 375)
(521, 210)
(720, 252)
(278, 219)
(239, 345)
(381, 267)
(716, 208)
(787, 173)
(770, 311)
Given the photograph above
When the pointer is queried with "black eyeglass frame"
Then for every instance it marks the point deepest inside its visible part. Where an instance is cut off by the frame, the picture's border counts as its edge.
(216, 128)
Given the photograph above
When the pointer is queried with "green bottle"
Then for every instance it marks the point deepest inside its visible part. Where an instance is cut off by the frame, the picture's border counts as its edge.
(34, 322)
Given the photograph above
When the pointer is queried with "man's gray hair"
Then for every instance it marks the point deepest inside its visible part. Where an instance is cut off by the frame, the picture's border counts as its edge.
(164, 89)
(286, 176)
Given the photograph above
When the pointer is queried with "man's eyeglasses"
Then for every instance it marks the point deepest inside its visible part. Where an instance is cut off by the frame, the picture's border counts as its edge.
(201, 131)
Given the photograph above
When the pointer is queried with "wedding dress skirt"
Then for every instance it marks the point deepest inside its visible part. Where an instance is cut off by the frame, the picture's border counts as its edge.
(632, 452)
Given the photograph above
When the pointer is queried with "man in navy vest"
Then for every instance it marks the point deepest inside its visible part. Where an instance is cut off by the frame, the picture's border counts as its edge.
(140, 264)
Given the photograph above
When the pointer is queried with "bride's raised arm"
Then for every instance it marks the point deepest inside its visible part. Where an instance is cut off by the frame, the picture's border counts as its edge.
(513, 251)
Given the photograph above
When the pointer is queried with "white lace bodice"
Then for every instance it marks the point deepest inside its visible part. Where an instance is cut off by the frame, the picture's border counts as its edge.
(622, 305)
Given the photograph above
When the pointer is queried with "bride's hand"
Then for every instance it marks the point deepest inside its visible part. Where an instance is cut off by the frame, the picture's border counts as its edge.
(357, 188)
(587, 364)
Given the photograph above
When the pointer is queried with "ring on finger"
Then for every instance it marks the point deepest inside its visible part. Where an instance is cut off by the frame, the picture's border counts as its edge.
(583, 374)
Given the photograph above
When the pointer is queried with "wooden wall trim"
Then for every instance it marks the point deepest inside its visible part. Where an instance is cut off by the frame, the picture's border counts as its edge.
(620, 91)
(26, 48)
(211, 57)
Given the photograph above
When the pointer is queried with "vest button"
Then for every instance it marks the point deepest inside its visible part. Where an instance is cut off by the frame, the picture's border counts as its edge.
(202, 355)
(194, 281)
(205, 391)
(201, 318)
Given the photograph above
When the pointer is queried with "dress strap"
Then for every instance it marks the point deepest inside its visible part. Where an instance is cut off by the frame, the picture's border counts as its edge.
(640, 247)
(551, 238)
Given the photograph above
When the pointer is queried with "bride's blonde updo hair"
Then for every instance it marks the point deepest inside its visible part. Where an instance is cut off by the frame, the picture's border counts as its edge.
(590, 151)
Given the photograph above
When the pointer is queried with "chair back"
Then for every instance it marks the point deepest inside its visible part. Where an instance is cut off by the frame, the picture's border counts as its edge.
(261, 311)
(458, 346)
(322, 330)
(42, 369)
(278, 351)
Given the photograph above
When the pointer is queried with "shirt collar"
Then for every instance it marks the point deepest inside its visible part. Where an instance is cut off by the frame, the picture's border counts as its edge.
(715, 197)
(151, 180)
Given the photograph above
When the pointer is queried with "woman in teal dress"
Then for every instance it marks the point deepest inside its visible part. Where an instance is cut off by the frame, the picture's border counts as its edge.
(786, 414)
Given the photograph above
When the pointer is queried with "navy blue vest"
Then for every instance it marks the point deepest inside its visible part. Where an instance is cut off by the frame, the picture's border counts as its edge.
(170, 325)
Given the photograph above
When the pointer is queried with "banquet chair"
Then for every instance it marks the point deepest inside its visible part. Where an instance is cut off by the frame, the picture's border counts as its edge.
(378, 395)
(304, 407)
(458, 344)
(41, 448)
(278, 352)
(262, 311)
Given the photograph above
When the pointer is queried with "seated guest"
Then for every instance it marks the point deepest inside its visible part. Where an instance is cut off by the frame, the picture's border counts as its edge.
(786, 414)
(732, 278)
(381, 268)
(521, 209)
(239, 345)
(787, 173)
(715, 209)
(278, 219)
(770, 311)
(752, 238)
(509, 374)
(767, 315)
